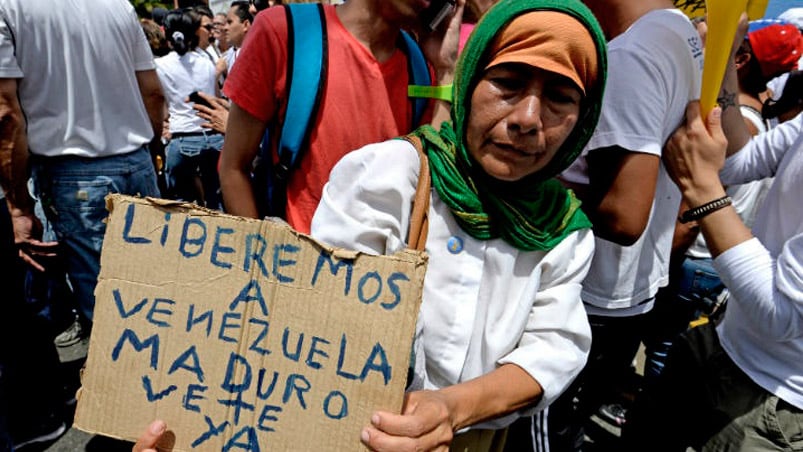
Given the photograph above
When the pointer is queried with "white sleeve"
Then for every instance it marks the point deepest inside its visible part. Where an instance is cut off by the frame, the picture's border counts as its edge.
(647, 91)
(141, 50)
(9, 68)
(770, 293)
(762, 154)
(557, 338)
(365, 205)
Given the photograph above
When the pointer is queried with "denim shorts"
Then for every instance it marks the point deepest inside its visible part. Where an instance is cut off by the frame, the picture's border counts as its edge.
(191, 157)
(72, 191)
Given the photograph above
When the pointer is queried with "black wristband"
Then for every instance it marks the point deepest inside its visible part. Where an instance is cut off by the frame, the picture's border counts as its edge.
(709, 207)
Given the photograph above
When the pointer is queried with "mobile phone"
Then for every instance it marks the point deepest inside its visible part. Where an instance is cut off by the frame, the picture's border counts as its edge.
(436, 12)
(196, 98)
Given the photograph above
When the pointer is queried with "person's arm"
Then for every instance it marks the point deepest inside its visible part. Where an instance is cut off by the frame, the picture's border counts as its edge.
(767, 290)
(430, 418)
(733, 124)
(620, 194)
(14, 174)
(549, 354)
(152, 95)
(694, 156)
(236, 159)
(440, 48)
(13, 149)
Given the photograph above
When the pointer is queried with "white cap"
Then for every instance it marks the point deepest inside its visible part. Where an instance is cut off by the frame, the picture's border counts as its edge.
(793, 15)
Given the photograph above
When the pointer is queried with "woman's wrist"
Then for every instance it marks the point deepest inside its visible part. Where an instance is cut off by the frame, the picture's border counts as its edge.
(699, 194)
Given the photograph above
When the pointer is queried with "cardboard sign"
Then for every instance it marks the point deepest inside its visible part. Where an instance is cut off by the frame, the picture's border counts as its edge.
(242, 334)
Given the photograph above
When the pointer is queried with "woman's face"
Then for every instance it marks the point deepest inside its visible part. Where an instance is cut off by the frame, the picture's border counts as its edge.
(204, 32)
(519, 117)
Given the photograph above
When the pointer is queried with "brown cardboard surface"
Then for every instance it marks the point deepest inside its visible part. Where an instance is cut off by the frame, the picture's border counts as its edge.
(242, 334)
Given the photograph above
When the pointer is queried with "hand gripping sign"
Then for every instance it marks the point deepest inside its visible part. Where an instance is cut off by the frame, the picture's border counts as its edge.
(243, 334)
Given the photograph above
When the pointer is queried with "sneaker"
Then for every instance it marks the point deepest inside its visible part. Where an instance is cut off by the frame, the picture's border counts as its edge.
(71, 336)
(52, 429)
(613, 413)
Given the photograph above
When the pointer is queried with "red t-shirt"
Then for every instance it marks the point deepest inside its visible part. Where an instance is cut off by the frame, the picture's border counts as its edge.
(364, 101)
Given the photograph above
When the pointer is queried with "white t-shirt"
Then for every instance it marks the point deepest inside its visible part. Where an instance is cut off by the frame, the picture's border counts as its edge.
(77, 61)
(485, 302)
(762, 329)
(654, 70)
(180, 76)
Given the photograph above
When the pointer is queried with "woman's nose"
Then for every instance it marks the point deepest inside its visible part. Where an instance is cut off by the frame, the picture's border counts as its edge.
(526, 115)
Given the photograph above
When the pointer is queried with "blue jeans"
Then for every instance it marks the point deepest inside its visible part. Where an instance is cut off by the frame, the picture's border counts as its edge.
(73, 191)
(192, 159)
(688, 295)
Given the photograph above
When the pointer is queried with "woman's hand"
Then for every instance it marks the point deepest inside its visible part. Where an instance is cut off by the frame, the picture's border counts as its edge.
(425, 424)
(695, 153)
(217, 115)
(147, 441)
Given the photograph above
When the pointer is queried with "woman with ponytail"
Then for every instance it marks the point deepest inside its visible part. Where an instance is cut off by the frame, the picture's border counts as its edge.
(192, 151)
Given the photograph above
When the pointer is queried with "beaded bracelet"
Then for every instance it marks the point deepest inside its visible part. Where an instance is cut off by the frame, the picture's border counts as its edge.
(709, 207)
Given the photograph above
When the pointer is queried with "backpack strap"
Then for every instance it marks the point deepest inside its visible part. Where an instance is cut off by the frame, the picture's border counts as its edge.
(305, 76)
(418, 73)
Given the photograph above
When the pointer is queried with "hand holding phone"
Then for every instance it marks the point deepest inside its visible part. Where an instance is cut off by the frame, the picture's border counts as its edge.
(196, 98)
(436, 12)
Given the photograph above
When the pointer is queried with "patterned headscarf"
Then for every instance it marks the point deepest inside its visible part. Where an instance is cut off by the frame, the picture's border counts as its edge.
(535, 212)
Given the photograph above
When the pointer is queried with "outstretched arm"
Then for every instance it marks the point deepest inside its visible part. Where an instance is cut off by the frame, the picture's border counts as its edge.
(14, 174)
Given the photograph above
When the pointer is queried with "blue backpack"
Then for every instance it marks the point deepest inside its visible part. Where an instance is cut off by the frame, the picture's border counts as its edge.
(306, 76)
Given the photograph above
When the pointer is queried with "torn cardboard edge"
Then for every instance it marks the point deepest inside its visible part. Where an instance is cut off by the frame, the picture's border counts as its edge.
(270, 347)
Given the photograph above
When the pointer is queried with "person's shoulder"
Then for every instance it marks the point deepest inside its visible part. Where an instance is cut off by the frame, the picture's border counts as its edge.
(395, 152)
(661, 24)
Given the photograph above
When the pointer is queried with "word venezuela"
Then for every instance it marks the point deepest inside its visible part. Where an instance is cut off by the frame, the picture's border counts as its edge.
(242, 334)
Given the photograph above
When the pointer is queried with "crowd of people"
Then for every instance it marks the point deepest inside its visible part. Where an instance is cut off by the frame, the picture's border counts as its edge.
(582, 205)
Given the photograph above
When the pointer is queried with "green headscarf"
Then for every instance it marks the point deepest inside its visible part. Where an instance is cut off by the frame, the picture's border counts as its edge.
(535, 212)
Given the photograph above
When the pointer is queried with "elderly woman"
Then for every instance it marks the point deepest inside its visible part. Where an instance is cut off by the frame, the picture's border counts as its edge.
(502, 330)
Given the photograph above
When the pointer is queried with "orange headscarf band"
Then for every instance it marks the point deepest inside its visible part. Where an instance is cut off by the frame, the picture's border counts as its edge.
(548, 40)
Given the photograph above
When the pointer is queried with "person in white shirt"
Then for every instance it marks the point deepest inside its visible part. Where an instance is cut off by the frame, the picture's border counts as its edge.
(193, 151)
(736, 384)
(502, 330)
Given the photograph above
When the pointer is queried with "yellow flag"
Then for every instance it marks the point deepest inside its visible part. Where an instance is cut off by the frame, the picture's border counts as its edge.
(696, 8)
(722, 18)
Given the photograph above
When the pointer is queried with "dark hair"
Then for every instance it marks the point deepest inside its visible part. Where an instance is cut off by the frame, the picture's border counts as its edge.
(260, 4)
(203, 10)
(180, 30)
(241, 10)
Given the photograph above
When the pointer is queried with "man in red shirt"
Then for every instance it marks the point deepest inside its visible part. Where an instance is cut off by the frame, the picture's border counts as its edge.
(364, 100)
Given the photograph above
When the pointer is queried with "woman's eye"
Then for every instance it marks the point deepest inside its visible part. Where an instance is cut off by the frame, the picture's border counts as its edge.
(563, 96)
(508, 83)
